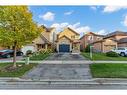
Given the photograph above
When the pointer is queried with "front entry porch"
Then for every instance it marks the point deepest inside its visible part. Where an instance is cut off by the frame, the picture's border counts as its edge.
(76, 47)
(43, 46)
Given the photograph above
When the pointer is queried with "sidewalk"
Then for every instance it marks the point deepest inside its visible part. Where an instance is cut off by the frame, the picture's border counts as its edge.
(67, 62)
(17, 83)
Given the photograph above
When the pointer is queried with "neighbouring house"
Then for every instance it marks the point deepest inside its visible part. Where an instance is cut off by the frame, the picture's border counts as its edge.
(104, 45)
(89, 38)
(68, 41)
(111, 41)
(122, 42)
(46, 40)
(117, 35)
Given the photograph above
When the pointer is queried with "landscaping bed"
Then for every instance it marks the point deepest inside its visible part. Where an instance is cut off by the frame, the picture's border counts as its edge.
(40, 56)
(102, 56)
(7, 69)
(108, 70)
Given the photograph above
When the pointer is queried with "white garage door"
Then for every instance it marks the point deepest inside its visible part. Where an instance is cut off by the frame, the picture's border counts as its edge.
(26, 48)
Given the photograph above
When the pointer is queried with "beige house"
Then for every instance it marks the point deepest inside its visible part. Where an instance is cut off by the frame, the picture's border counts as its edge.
(68, 41)
(46, 40)
(104, 45)
(111, 41)
(89, 38)
(122, 42)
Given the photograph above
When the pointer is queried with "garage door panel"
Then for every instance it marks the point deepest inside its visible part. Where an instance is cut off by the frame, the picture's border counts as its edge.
(64, 48)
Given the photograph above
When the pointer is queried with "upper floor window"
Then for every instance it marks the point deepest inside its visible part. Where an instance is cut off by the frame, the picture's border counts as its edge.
(73, 37)
(90, 37)
(76, 37)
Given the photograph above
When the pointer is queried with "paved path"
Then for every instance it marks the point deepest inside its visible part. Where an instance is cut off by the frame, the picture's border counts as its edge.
(71, 84)
(66, 56)
(59, 72)
(67, 62)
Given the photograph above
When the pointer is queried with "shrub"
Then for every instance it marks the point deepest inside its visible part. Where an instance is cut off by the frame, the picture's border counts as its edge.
(29, 52)
(87, 49)
(112, 54)
(43, 51)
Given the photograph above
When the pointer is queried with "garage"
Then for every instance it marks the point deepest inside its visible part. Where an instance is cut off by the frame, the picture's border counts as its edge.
(64, 48)
(24, 49)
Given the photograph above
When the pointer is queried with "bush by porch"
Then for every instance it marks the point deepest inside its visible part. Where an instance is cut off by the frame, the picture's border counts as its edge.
(41, 54)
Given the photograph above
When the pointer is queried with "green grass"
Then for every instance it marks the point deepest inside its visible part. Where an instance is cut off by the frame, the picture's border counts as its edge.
(102, 56)
(14, 73)
(39, 56)
(102, 70)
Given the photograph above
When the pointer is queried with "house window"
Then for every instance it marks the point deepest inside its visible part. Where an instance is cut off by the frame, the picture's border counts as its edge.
(73, 37)
(90, 37)
(76, 37)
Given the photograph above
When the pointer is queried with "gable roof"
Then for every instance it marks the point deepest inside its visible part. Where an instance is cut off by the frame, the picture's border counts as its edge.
(44, 39)
(47, 29)
(70, 30)
(73, 31)
(92, 34)
(102, 40)
(41, 40)
(65, 37)
(116, 33)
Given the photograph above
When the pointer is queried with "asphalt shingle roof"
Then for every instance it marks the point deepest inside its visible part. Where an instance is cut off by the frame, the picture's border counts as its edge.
(123, 40)
(116, 33)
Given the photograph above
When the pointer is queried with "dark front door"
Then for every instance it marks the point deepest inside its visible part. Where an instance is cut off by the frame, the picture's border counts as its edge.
(64, 48)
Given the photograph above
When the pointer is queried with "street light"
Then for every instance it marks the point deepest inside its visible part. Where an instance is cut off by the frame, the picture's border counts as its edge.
(91, 55)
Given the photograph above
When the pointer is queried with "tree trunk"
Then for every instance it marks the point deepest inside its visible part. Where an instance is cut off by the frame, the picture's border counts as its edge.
(14, 57)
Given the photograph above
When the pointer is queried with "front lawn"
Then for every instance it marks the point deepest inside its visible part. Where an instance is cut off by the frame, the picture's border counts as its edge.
(102, 56)
(6, 69)
(103, 70)
(39, 56)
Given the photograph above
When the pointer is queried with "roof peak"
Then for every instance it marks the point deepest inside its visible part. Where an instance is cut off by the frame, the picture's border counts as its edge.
(72, 30)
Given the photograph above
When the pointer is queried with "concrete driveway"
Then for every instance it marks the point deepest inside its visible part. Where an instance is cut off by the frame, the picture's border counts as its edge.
(59, 72)
(65, 56)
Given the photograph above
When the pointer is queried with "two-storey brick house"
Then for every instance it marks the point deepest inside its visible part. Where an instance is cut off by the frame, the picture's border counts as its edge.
(89, 38)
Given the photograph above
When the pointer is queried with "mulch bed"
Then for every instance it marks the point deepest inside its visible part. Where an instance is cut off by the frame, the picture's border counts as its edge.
(11, 68)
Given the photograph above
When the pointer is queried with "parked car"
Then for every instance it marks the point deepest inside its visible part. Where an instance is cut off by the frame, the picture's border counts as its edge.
(121, 51)
(9, 53)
